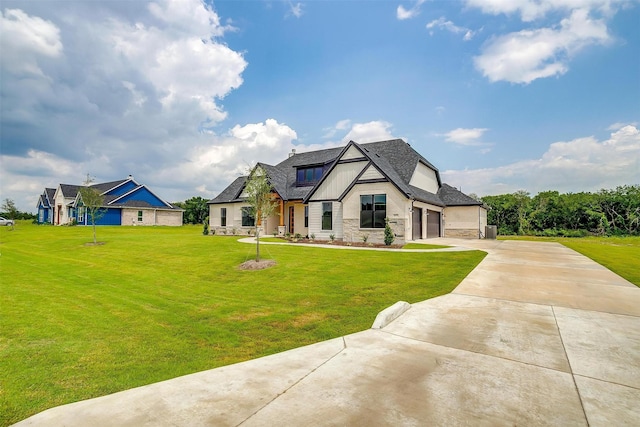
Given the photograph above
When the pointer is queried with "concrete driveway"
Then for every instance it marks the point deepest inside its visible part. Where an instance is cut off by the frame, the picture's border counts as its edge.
(537, 334)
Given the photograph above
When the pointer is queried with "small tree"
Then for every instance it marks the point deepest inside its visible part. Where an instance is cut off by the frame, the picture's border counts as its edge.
(205, 223)
(258, 191)
(10, 210)
(93, 202)
(388, 233)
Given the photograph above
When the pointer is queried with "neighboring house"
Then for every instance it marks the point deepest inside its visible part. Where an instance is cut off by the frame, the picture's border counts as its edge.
(125, 203)
(350, 192)
(45, 206)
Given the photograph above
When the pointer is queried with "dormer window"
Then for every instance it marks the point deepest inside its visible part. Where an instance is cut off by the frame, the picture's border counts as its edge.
(309, 175)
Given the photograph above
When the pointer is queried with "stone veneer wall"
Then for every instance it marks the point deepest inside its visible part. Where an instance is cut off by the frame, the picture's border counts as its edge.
(465, 233)
(353, 233)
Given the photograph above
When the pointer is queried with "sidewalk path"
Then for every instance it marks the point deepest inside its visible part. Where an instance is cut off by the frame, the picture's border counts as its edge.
(537, 335)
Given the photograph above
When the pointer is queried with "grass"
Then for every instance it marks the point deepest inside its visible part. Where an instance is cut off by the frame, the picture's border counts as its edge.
(155, 303)
(423, 246)
(619, 254)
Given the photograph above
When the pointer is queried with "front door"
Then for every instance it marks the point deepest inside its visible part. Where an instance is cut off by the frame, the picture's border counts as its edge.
(291, 221)
(417, 223)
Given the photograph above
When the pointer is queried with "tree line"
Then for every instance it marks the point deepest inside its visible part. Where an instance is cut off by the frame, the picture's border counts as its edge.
(549, 213)
(8, 210)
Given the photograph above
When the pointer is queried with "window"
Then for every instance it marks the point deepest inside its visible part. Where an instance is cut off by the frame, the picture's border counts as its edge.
(308, 176)
(81, 214)
(223, 217)
(327, 216)
(248, 220)
(373, 210)
(306, 216)
(139, 216)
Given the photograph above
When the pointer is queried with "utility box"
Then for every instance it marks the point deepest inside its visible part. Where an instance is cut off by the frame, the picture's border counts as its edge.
(491, 232)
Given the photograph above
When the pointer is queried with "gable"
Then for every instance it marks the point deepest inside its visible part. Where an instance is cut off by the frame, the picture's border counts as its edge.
(371, 173)
(424, 178)
(338, 180)
(121, 189)
(141, 197)
(352, 153)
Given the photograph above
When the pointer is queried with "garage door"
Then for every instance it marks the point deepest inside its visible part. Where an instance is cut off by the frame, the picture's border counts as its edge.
(417, 224)
(433, 224)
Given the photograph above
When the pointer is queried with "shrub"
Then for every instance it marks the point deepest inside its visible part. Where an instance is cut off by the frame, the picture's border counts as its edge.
(332, 237)
(313, 236)
(364, 238)
(205, 229)
(388, 233)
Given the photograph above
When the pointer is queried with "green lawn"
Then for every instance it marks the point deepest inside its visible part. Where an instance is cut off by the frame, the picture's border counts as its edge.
(619, 254)
(423, 246)
(154, 303)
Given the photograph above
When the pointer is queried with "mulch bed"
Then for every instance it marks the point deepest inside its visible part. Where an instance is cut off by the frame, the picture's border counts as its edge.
(257, 265)
(342, 243)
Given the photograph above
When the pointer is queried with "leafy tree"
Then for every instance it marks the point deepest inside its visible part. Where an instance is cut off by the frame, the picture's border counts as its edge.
(608, 212)
(622, 209)
(260, 198)
(93, 202)
(196, 210)
(9, 209)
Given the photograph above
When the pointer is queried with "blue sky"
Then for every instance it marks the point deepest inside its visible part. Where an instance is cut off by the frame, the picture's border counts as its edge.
(184, 95)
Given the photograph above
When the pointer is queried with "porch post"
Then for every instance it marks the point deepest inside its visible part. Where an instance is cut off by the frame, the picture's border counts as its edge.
(281, 224)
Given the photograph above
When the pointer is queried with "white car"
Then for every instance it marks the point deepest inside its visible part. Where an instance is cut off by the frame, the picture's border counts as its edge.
(4, 221)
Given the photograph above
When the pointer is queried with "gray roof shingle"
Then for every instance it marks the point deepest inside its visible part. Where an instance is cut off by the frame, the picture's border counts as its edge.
(394, 158)
(231, 193)
(451, 196)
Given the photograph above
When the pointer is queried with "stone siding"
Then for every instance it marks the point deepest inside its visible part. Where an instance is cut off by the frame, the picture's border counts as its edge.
(353, 232)
(469, 233)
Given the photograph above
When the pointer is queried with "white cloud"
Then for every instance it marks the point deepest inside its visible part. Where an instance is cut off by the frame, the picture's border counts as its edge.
(295, 10)
(527, 55)
(583, 164)
(530, 10)
(402, 13)
(111, 89)
(214, 164)
(376, 130)
(620, 125)
(341, 125)
(26, 40)
(443, 24)
(465, 136)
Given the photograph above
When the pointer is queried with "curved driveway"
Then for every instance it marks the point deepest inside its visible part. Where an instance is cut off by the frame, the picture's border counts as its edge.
(537, 334)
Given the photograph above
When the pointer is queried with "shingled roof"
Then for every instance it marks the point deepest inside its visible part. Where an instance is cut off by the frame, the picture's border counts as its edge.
(394, 158)
(231, 193)
(451, 196)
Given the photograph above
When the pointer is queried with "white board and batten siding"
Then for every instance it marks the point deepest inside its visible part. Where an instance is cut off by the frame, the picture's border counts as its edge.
(315, 221)
(352, 153)
(339, 180)
(371, 173)
(424, 178)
